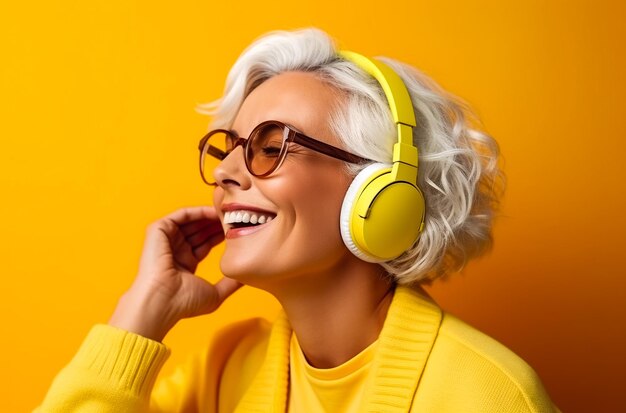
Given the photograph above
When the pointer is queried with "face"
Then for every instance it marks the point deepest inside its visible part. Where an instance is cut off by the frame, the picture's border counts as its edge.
(301, 199)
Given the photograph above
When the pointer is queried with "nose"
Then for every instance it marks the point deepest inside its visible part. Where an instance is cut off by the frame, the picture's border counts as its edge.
(232, 171)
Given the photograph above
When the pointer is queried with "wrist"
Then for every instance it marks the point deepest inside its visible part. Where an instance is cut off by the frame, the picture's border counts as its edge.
(143, 314)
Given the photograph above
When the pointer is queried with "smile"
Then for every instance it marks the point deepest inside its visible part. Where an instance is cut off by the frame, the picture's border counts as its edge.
(244, 218)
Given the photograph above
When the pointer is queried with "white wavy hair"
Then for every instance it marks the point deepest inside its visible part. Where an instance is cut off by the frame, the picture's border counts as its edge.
(458, 163)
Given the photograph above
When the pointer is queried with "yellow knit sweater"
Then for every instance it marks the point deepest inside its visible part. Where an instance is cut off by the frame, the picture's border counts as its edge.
(425, 361)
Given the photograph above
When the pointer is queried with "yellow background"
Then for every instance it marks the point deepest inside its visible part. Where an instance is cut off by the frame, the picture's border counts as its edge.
(99, 138)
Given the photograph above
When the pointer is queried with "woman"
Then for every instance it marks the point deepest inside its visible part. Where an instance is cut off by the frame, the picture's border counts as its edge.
(297, 123)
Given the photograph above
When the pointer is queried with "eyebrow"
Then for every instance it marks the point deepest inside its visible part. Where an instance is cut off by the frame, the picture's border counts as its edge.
(234, 132)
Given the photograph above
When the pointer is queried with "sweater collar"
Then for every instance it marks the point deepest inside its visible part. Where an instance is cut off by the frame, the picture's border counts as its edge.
(405, 342)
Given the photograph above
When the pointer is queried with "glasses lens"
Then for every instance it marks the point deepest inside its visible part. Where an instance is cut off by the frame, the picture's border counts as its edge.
(265, 148)
(213, 152)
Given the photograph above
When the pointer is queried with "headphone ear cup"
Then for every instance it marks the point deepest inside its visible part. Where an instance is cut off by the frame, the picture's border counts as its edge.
(347, 207)
(381, 218)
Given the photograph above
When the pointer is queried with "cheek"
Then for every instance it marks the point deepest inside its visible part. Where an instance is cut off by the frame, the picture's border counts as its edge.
(218, 196)
(317, 206)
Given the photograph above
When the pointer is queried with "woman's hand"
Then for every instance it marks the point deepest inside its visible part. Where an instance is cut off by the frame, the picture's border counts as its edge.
(166, 288)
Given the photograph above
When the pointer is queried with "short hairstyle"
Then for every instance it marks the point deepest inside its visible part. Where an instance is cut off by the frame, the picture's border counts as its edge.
(458, 163)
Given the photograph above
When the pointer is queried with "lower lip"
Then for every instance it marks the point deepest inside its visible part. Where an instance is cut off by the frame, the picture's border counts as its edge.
(242, 232)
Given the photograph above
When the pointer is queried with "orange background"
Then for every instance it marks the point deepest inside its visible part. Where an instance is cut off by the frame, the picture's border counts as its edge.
(99, 138)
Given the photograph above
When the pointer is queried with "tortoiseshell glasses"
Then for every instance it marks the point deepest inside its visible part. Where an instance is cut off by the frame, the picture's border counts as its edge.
(265, 149)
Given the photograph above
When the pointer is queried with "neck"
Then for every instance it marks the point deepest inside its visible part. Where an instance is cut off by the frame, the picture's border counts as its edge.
(336, 314)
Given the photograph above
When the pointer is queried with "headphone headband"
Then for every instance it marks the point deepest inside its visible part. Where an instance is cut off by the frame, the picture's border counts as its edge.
(397, 95)
(404, 152)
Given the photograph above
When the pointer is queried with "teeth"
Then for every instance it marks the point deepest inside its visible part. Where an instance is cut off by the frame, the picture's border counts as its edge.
(233, 217)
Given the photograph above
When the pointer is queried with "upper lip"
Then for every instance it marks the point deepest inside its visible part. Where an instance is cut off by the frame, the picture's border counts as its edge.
(245, 207)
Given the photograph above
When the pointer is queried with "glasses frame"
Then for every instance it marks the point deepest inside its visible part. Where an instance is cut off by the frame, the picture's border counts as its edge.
(290, 135)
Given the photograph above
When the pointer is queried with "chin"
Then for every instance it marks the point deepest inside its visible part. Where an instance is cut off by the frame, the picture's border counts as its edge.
(245, 269)
(236, 271)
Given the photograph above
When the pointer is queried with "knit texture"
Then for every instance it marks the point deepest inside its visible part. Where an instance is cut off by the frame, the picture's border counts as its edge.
(404, 344)
(112, 368)
(425, 361)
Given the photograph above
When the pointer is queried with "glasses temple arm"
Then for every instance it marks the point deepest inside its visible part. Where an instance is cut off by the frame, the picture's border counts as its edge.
(327, 149)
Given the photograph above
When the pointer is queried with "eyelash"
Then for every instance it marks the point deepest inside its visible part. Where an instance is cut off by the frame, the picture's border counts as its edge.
(271, 151)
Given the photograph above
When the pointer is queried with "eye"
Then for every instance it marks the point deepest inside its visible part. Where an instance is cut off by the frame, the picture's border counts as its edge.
(268, 141)
(271, 151)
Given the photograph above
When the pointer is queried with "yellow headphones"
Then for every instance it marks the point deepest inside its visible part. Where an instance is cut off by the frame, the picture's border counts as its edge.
(383, 211)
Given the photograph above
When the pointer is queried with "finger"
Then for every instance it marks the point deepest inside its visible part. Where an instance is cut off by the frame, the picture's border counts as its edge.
(226, 287)
(195, 226)
(190, 214)
(167, 238)
(191, 218)
(188, 251)
(203, 250)
(160, 237)
(216, 294)
(202, 235)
